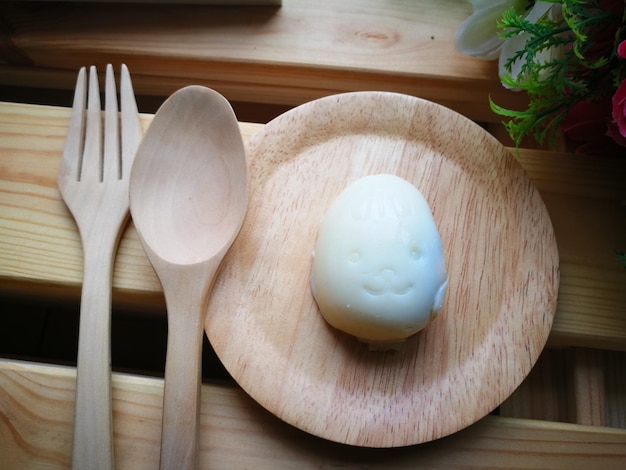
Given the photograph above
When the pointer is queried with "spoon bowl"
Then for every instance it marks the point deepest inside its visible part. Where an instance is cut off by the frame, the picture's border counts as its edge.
(188, 199)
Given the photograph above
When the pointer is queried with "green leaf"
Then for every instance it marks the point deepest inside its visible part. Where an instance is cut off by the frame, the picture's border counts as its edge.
(554, 82)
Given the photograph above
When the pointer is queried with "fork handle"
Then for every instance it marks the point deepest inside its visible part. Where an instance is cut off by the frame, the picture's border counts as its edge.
(93, 431)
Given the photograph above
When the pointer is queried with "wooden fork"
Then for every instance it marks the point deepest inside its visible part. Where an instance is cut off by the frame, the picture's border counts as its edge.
(93, 180)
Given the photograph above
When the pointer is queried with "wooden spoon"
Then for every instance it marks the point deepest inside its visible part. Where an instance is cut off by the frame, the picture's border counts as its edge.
(188, 198)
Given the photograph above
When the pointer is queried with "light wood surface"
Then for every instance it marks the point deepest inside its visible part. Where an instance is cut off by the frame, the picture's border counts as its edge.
(289, 55)
(282, 57)
(40, 248)
(93, 181)
(192, 2)
(41, 258)
(36, 404)
(500, 251)
(188, 193)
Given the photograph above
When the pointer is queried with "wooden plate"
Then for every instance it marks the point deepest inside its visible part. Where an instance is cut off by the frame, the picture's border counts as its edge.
(501, 254)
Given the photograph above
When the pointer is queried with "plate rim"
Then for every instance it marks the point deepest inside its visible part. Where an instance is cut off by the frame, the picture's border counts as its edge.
(390, 97)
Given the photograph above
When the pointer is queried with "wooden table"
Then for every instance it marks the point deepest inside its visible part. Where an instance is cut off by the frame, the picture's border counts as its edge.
(264, 55)
(571, 410)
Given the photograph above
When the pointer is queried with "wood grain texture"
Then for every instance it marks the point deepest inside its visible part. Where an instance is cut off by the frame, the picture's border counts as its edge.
(544, 394)
(41, 255)
(289, 55)
(36, 413)
(93, 181)
(615, 389)
(573, 385)
(586, 387)
(585, 198)
(191, 2)
(500, 252)
(188, 199)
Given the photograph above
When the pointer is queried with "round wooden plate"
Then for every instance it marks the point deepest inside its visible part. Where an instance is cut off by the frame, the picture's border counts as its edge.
(501, 255)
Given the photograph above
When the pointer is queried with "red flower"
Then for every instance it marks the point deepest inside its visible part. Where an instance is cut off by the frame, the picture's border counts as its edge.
(617, 129)
(621, 50)
(603, 39)
(586, 121)
(589, 129)
(598, 126)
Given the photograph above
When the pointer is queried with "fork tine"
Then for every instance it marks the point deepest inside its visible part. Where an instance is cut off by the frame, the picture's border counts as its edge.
(111, 161)
(92, 156)
(71, 163)
(131, 125)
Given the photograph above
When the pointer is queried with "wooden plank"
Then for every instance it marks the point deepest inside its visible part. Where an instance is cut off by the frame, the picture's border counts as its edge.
(584, 196)
(586, 387)
(543, 394)
(615, 389)
(191, 2)
(575, 385)
(40, 249)
(289, 55)
(36, 406)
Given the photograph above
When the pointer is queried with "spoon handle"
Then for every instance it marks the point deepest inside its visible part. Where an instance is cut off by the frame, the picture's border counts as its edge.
(181, 396)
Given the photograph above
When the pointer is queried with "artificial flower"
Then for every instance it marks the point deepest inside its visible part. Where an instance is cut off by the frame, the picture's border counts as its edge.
(568, 56)
(621, 50)
(618, 130)
(618, 127)
(478, 35)
(512, 71)
(587, 129)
